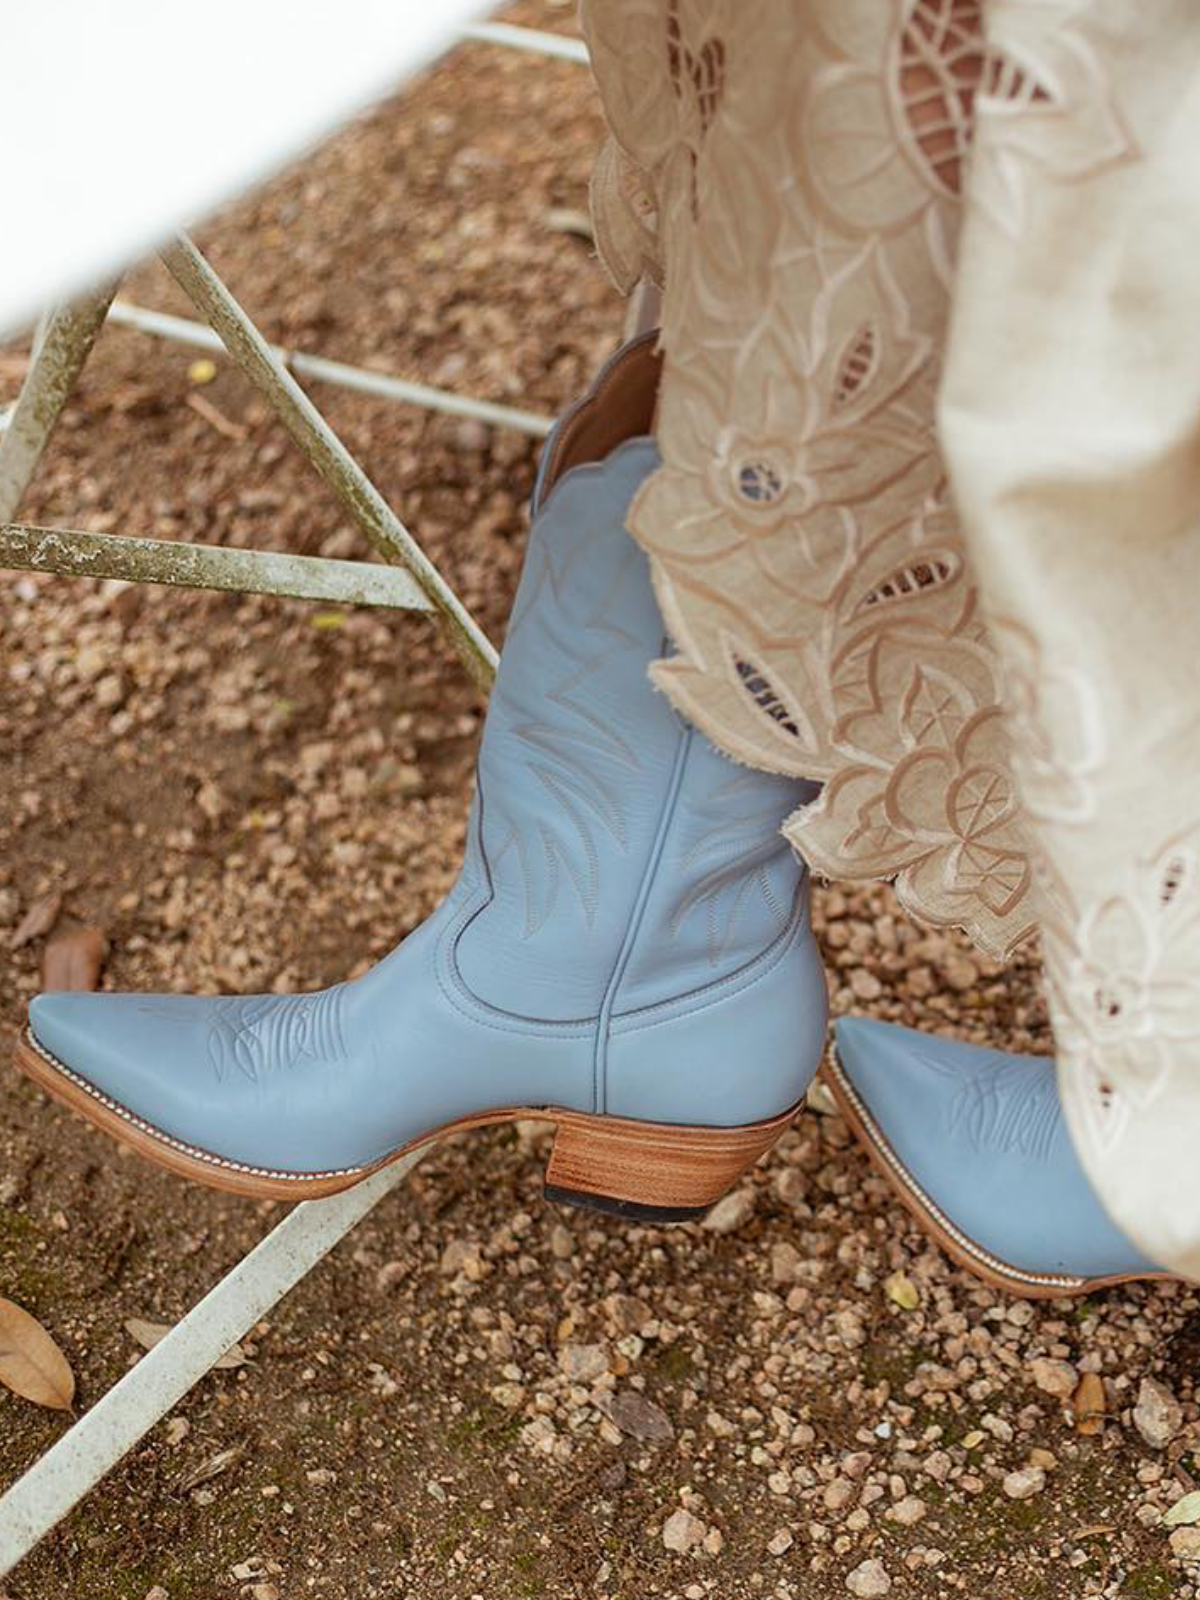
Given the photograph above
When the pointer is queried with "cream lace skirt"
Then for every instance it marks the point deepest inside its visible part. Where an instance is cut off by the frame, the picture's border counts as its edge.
(905, 246)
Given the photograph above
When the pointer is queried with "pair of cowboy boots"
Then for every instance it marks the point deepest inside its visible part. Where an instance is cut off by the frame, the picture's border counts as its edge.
(626, 953)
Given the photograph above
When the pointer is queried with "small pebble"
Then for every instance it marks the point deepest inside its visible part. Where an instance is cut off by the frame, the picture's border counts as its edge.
(838, 1494)
(1058, 1378)
(908, 1511)
(961, 972)
(1185, 1543)
(728, 1215)
(866, 985)
(1088, 1403)
(1157, 1416)
(583, 1363)
(639, 1417)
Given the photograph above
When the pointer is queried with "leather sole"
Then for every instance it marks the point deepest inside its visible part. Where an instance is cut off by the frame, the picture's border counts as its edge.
(999, 1274)
(654, 1171)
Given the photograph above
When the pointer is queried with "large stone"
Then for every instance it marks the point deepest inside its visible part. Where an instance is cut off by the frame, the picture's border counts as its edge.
(1058, 1378)
(869, 1581)
(1025, 1482)
(682, 1531)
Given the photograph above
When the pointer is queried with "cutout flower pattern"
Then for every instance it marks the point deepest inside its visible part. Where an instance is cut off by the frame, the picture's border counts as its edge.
(1120, 978)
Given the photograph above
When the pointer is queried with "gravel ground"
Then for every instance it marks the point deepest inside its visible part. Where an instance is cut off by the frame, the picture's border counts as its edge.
(478, 1393)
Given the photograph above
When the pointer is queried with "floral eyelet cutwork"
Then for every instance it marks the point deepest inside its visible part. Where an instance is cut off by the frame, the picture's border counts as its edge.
(759, 482)
(856, 367)
(805, 554)
(765, 698)
(698, 74)
(909, 581)
(697, 78)
(834, 631)
(1122, 1007)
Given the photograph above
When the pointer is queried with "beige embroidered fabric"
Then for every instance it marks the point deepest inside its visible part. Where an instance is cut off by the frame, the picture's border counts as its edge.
(765, 164)
(906, 244)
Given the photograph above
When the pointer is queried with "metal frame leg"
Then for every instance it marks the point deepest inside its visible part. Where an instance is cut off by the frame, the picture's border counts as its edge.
(62, 345)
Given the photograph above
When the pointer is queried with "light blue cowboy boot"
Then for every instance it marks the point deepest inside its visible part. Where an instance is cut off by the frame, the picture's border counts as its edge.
(626, 952)
(974, 1143)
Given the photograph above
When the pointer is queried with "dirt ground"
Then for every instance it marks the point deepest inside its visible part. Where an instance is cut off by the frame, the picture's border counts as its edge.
(250, 794)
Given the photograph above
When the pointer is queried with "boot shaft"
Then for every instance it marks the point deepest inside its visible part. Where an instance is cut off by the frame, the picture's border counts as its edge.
(622, 860)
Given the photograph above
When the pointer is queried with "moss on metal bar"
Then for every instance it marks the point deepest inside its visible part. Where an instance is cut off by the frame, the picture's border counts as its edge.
(75, 554)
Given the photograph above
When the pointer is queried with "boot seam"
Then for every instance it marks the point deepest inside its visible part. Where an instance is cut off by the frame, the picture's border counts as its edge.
(479, 1011)
(591, 469)
(465, 1001)
(636, 918)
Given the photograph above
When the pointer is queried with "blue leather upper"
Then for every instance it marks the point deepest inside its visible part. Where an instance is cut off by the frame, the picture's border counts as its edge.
(983, 1135)
(628, 934)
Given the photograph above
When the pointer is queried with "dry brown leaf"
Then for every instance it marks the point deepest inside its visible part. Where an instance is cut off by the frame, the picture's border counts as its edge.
(73, 959)
(148, 1335)
(31, 1364)
(39, 919)
(1088, 1403)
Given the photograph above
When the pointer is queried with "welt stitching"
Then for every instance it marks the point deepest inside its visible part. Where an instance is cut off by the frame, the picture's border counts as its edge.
(883, 1145)
(169, 1139)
